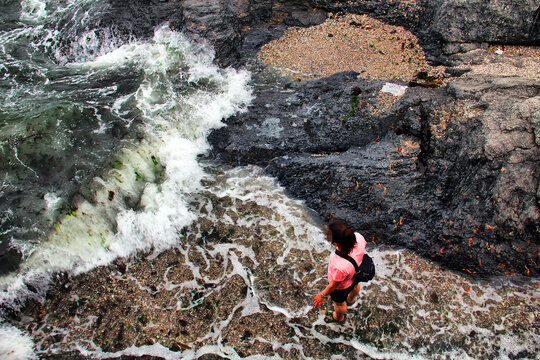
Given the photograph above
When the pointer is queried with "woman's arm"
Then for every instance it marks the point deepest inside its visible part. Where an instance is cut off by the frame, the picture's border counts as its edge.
(319, 298)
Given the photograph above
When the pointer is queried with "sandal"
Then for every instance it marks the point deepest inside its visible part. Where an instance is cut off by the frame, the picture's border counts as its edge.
(329, 317)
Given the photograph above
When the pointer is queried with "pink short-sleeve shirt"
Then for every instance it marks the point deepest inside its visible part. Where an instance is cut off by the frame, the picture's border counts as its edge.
(340, 269)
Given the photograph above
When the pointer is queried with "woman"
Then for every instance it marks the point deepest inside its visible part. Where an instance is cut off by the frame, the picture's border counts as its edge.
(342, 288)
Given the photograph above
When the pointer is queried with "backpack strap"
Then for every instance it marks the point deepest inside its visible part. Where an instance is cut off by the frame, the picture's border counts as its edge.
(351, 260)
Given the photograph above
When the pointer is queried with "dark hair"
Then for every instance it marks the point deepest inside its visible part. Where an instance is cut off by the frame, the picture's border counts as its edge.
(342, 235)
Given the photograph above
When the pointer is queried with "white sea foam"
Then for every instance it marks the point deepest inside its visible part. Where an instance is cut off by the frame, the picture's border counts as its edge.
(513, 345)
(14, 345)
(161, 169)
(33, 11)
(157, 350)
(52, 202)
(375, 353)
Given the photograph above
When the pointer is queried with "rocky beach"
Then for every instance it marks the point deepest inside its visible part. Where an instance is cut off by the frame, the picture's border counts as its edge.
(240, 286)
(417, 122)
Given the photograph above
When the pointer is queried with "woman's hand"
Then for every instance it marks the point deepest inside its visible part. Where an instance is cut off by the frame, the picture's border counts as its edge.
(318, 300)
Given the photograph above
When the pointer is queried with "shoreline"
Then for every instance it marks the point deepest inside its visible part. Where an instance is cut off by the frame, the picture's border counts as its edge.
(221, 289)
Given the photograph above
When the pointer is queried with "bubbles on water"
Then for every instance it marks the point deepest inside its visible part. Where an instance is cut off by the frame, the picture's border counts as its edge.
(33, 11)
(94, 43)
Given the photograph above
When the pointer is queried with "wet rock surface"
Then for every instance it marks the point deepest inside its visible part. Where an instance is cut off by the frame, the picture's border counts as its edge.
(450, 169)
(237, 30)
(289, 117)
(444, 27)
(450, 172)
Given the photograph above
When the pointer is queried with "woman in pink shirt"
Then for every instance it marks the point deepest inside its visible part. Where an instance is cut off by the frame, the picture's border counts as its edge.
(342, 288)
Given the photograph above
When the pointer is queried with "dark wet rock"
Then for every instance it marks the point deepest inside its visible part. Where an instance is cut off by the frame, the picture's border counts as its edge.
(477, 21)
(447, 178)
(9, 258)
(237, 29)
(297, 13)
(451, 172)
(321, 116)
(216, 22)
(405, 172)
(444, 27)
(139, 18)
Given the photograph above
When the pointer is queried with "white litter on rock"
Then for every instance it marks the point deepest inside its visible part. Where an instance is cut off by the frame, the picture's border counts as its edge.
(394, 89)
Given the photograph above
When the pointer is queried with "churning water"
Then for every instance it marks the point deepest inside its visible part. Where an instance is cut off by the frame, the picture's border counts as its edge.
(116, 125)
(79, 101)
(73, 106)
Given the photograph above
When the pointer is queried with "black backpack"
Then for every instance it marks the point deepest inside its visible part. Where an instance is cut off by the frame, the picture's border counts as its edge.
(363, 273)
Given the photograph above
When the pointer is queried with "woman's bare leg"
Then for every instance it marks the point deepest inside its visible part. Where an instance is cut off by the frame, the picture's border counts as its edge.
(340, 311)
(352, 295)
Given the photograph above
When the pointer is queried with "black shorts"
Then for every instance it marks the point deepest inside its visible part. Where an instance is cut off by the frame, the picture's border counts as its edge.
(340, 296)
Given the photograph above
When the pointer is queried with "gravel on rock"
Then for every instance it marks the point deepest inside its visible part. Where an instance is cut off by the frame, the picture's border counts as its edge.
(349, 42)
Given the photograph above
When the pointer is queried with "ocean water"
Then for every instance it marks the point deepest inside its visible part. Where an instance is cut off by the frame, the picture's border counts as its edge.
(249, 234)
(115, 120)
(105, 118)
(101, 136)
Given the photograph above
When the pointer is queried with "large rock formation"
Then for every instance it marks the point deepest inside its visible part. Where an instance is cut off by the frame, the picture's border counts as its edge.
(450, 172)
